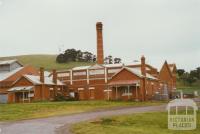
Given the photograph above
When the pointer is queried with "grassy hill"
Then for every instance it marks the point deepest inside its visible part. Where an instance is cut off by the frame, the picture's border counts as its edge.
(46, 61)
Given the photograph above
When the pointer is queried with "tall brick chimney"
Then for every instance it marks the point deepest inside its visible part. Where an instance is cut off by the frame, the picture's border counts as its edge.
(42, 74)
(143, 84)
(54, 76)
(42, 80)
(143, 66)
(100, 56)
(55, 81)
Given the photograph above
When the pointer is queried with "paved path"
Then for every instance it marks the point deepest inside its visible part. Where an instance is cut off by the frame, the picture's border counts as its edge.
(60, 124)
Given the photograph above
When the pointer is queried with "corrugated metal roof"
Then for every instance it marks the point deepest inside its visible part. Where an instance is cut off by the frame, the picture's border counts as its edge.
(81, 68)
(36, 80)
(104, 65)
(135, 71)
(6, 74)
(138, 72)
(7, 62)
(120, 64)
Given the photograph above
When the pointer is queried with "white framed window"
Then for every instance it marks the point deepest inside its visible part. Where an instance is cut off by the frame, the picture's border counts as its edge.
(26, 95)
(96, 72)
(31, 95)
(79, 89)
(79, 73)
(127, 92)
(63, 74)
(91, 88)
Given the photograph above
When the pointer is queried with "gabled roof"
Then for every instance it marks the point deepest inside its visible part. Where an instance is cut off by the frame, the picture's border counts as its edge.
(81, 68)
(36, 80)
(8, 62)
(172, 67)
(96, 66)
(112, 66)
(168, 68)
(6, 74)
(137, 72)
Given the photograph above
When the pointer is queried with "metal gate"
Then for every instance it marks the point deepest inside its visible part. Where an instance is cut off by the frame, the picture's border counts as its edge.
(3, 98)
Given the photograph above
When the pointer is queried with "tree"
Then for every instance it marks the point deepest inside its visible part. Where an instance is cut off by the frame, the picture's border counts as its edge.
(198, 72)
(108, 60)
(60, 58)
(79, 55)
(184, 77)
(87, 56)
(180, 72)
(94, 58)
(191, 79)
(117, 60)
(70, 55)
(194, 73)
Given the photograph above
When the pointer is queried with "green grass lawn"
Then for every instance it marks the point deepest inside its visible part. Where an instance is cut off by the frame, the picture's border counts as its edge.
(46, 61)
(188, 89)
(9, 112)
(145, 123)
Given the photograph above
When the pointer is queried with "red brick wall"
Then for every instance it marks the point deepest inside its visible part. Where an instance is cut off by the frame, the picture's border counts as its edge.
(40, 93)
(166, 77)
(125, 75)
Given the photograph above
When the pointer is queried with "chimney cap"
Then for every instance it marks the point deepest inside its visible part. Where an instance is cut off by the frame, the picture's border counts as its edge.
(143, 57)
(99, 25)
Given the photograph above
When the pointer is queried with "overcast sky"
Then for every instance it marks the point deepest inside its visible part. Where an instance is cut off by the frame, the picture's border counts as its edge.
(159, 29)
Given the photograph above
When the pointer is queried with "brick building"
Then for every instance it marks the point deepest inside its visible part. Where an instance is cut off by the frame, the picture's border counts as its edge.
(30, 88)
(167, 77)
(118, 81)
(134, 81)
(10, 71)
(20, 83)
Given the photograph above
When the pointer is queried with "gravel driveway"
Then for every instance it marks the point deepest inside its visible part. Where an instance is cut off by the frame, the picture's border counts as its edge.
(60, 124)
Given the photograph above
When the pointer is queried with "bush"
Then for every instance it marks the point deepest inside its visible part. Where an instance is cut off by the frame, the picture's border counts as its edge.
(61, 97)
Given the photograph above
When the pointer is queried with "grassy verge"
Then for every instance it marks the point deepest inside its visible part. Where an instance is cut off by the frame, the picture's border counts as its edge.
(188, 89)
(146, 123)
(10, 112)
